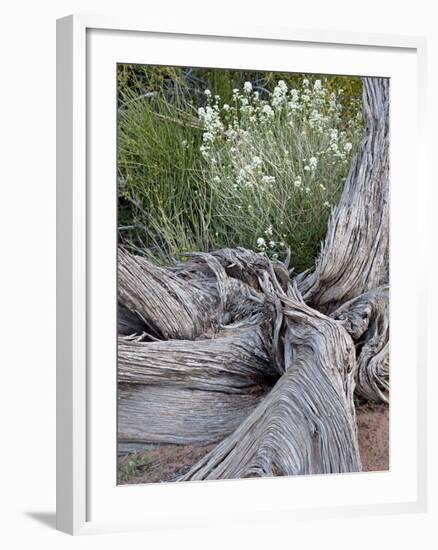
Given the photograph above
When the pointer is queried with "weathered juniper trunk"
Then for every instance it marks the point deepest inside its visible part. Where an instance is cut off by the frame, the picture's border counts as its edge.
(354, 255)
(226, 347)
(306, 423)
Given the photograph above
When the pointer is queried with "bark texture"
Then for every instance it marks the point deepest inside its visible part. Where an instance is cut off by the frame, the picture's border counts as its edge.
(366, 319)
(227, 347)
(306, 424)
(231, 362)
(168, 307)
(168, 414)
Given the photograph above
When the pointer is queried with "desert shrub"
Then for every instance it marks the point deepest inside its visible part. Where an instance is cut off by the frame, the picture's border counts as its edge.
(276, 166)
(160, 176)
(206, 167)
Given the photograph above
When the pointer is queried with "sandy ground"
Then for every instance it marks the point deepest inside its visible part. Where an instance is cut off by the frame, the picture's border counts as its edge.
(168, 462)
(373, 431)
(163, 463)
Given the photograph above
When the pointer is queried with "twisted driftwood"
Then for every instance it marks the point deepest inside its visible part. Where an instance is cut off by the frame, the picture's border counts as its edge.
(227, 348)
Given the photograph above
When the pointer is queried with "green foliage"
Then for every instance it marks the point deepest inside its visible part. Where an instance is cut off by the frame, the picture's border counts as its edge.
(203, 163)
(131, 465)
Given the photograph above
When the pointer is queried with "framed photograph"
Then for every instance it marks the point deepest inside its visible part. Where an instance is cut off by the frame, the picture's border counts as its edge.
(239, 334)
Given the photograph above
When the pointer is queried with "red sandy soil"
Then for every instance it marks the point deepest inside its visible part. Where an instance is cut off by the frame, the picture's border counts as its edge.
(165, 463)
(168, 462)
(373, 431)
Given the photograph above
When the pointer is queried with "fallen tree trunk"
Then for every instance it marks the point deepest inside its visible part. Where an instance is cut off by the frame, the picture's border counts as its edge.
(227, 347)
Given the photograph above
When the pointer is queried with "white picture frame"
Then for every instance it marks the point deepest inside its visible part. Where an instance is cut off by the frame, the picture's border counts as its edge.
(88, 499)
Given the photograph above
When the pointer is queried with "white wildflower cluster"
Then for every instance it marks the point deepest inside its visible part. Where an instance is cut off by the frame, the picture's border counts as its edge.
(339, 147)
(269, 245)
(268, 180)
(264, 149)
(261, 244)
(247, 87)
(279, 94)
(267, 110)
(294, 102)
(249, 174)
(312, 164)
(333, 104)
(212, 123)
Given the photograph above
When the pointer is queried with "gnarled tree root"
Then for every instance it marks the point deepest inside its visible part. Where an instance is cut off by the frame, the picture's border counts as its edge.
(306, 423)
(366, 319)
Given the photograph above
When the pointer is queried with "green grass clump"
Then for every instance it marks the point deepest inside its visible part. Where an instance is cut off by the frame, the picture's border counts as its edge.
(203, 165)
(132, 465)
